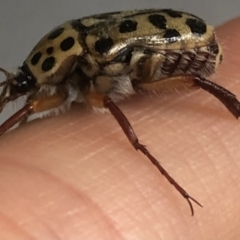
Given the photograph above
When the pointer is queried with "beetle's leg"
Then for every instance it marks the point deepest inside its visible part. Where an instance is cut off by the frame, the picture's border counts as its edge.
(190, 81)
(226, 97)
(98, 100)
(33, 106)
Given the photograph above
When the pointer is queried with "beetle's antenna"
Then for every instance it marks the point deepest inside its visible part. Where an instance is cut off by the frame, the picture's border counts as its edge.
(3, 83)
(8, 75)
(5, 94)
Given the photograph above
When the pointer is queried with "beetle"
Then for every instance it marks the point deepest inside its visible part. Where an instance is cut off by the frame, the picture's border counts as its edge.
(102, 59)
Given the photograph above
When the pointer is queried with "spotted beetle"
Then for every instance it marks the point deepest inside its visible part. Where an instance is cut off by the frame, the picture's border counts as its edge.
(101, 59)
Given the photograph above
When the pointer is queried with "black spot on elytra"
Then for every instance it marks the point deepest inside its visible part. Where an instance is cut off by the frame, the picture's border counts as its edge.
(172, 13)
(158, 21)
(55, 33)
(171, 35)
(67, 43)
(197, 26)
(103, 45)
(35, 58)
(49, 50)
(48, 64)
(127, 26)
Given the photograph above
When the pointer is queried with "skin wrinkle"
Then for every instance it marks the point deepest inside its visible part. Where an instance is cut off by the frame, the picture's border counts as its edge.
(69, 188)
(195, 170)
(202, 147)
(151, 206)
(210, 197)
(107, 169)
(52, 234)
(111, 190)
(132, 218)
(226, 151)
(237, 183)
(60, 139)
(139, 190)
(149, 203)
(14, 226)
(121, 206)
(221, 140)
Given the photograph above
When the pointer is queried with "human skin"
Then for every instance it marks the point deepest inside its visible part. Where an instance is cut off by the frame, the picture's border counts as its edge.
(76, 176)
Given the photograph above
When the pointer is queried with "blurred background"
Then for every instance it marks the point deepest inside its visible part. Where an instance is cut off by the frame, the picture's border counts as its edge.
(24, 22)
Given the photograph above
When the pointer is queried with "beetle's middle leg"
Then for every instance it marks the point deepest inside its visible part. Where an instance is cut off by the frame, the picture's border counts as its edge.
(179, 82)
(103, 101)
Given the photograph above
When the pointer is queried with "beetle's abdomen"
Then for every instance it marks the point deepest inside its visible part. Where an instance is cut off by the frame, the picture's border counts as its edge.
(151, 66)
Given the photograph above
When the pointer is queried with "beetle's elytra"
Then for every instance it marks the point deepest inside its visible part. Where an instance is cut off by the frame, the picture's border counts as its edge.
(101, 59)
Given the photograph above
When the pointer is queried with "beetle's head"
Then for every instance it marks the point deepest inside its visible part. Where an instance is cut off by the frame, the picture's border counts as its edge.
(16, 85)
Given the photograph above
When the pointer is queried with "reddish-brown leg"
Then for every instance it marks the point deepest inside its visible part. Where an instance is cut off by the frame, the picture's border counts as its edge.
(128, 130)
(99, 100)
(15, 118)
(226, 97)
(190, 81)
(32, 107)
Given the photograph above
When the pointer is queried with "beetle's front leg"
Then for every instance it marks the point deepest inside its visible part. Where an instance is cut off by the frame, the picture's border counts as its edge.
(189, 81)
(33, 106)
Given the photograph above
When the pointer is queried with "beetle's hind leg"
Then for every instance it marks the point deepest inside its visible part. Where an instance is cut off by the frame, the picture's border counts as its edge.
(179, 82)
(222, 94)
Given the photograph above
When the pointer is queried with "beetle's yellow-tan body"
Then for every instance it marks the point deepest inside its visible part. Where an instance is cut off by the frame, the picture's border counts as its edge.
(112, 53)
